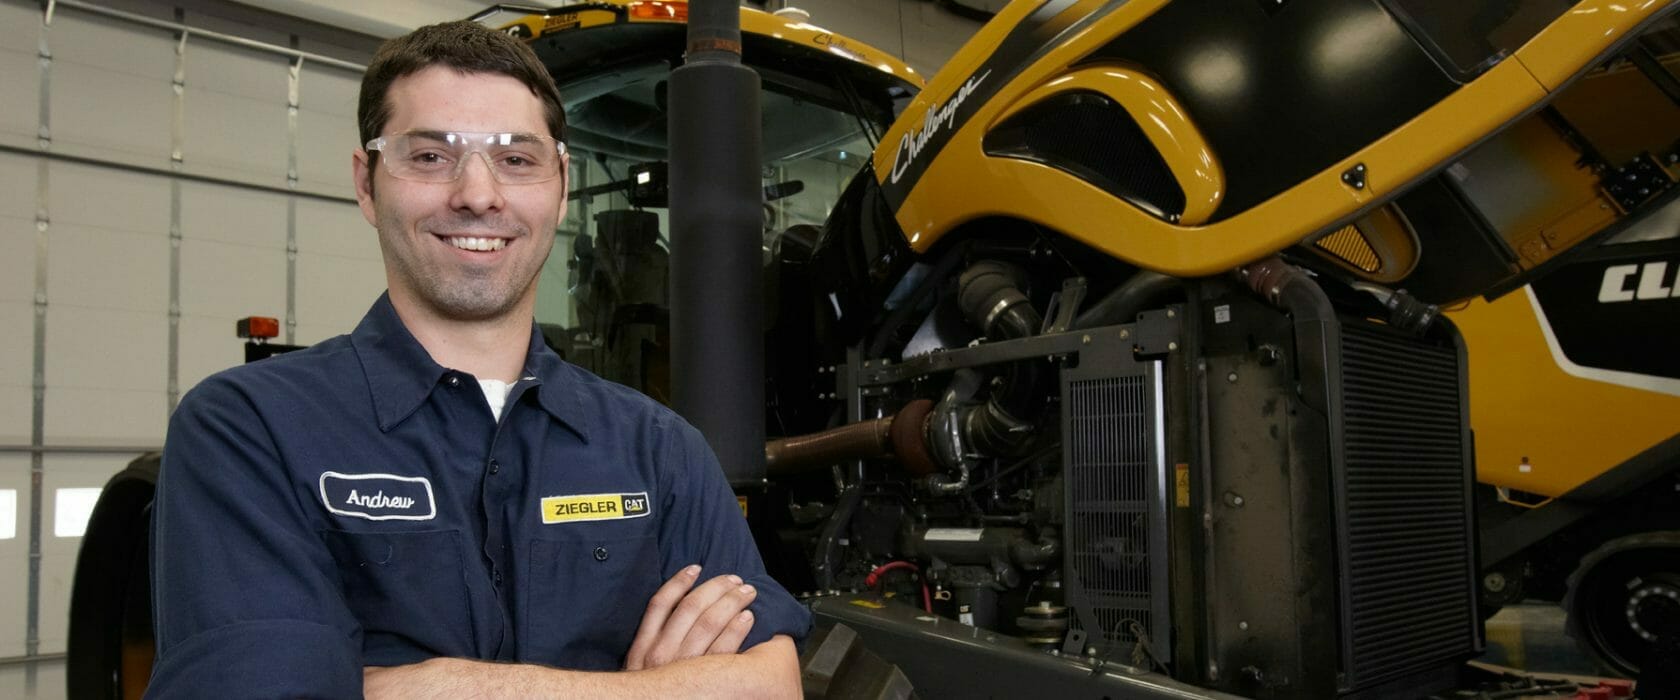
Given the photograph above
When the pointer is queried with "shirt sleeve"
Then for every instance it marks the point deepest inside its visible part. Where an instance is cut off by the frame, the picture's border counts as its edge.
(703, 521)
(246, 599)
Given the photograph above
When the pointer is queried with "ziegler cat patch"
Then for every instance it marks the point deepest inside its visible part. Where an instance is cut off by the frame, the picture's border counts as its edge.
(595, 506)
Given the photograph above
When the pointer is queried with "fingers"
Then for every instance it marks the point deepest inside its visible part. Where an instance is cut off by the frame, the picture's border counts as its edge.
(729, 642)
(690, 613)
(715, 622)
(658, 611)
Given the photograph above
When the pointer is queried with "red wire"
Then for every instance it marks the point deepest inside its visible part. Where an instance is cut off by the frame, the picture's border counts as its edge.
(874, 579)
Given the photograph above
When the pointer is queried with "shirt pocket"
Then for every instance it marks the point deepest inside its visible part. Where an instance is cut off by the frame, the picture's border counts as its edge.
(585, 600)
(409, 592)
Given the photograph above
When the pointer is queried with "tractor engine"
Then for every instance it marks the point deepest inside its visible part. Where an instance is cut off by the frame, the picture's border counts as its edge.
(1257, 482)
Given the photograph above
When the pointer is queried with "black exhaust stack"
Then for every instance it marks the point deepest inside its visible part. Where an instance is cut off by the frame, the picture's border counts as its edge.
(717, 317)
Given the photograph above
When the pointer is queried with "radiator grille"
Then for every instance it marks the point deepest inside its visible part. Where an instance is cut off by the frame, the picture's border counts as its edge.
(1115, 531)
(1407, 556)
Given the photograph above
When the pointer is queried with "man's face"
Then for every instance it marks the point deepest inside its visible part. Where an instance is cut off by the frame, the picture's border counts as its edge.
(424, 228)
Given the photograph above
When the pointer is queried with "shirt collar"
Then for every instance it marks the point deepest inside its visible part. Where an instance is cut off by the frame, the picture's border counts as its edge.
(557, 384)
(401, 374)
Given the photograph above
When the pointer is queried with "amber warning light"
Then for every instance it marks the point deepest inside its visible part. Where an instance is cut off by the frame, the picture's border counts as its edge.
(258, 328)
(675, 11)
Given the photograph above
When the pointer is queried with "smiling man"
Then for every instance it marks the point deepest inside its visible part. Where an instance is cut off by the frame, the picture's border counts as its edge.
(436, 505)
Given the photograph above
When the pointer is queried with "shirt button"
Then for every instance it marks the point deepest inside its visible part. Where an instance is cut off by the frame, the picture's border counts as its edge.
(495, 467)
(497, 573)
(600, 554)
(454, 380)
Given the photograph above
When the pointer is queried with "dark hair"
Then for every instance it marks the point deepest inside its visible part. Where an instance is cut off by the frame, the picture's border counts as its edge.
(467, 47)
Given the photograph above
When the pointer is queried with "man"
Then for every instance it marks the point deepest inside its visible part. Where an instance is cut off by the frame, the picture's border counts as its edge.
(435, 505)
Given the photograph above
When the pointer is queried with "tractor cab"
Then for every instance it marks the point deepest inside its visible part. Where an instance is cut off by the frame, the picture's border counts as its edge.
(826, 99)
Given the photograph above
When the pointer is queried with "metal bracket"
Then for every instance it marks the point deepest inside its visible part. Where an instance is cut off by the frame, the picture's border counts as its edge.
(1156, 332)
(1074, 643)
(1064, 306)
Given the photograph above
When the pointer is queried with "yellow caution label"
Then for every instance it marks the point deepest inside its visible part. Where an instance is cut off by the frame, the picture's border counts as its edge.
(594, 506)
(743, 501)
(1182, 490)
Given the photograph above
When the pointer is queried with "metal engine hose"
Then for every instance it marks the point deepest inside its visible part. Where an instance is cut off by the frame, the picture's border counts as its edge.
(990, 296)
(900, 435)
(1123, 304)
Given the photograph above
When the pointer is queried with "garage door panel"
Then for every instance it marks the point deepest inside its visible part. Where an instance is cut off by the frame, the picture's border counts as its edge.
(20, 27)
(108, 268)
(106, 198)
(20, 112)
(78, 415)
(324, 148)
(209, 345)
(17, 269)
(113, 45)
(336, 291)
(14, 553)
(233, 215)
(85, 98)
(332, 228)
(96, 348)
(228, 281)
(235, 137)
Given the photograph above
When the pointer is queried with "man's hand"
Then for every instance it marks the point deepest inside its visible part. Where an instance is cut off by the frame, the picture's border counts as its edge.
(681, 623)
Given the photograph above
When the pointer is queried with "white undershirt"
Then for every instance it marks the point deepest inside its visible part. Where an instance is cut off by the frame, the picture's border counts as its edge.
(496, 392)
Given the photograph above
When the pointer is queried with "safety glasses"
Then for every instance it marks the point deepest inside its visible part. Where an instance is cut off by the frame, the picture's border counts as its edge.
(439, 156)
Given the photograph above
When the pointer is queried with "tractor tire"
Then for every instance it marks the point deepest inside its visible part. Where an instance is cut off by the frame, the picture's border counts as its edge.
(110, 646)
(1623, 600)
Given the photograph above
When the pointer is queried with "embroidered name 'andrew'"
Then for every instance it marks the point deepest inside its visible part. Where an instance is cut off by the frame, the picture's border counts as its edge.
(378, 500)
(378, 496)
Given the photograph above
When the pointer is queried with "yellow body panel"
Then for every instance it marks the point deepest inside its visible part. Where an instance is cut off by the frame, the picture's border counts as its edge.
(1523, 405)
(752, 22)
(1580, 35)
(1162, 119)
(766, 24)
(972, 55)
(537, 25)
(962, 184)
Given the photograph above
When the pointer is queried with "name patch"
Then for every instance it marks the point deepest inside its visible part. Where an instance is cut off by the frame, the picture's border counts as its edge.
(595, 506)
(378, 496)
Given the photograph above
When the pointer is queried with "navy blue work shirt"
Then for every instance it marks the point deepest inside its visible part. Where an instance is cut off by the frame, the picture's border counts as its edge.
(356, 504)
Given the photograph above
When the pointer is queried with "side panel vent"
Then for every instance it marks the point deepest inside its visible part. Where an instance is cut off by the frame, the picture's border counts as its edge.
(1350, 246)
(1404, 501)
(1116, 532)
(1094, 138)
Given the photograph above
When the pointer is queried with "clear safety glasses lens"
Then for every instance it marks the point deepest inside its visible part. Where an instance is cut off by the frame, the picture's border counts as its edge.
(440, 156)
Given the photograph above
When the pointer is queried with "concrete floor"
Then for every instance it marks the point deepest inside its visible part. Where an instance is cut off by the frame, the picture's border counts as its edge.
(1526, 636)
